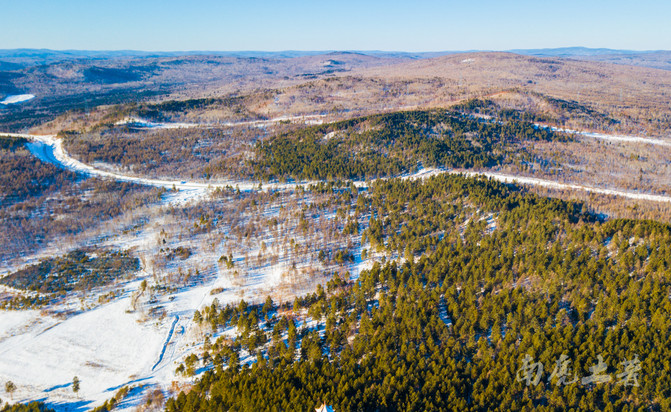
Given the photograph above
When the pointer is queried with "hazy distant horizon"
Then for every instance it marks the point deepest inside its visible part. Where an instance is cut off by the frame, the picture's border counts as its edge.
(301, 52)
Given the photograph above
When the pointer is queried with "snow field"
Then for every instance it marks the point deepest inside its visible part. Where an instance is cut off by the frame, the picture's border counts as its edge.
(105, 347)
(17, 98)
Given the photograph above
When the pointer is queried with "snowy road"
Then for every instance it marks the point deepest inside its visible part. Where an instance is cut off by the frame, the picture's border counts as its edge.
(614, 138)
(49, 148)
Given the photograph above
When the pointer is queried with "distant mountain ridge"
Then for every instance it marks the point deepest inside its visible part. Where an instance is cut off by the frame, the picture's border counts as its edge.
(28, 57)
(656, 59)
(17, 58)
(577, 51)
(64, 80)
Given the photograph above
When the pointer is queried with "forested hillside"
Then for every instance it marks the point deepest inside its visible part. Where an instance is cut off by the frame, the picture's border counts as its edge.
(388, 144)
(492, 274)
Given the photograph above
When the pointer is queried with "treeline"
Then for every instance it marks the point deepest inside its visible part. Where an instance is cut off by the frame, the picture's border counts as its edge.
(27, 407)
(388, 144)
(449, 329)
(77, 270)
(23, 176)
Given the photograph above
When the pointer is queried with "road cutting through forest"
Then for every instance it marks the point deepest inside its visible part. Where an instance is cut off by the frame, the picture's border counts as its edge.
(49, 148)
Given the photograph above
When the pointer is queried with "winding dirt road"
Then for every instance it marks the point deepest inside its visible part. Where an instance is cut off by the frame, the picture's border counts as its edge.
(49, 148)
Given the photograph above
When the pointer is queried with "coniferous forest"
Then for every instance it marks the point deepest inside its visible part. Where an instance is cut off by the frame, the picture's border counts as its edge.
(388, 144)
(503, 275)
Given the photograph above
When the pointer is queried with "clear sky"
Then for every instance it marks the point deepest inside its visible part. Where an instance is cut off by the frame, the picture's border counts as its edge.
(422, 25)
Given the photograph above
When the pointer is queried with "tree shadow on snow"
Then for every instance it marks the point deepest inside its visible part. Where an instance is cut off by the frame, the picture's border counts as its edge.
(78, 406)
(53, 388)
(114, 388)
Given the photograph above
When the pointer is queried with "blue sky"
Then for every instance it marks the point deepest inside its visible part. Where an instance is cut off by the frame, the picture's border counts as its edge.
(422, 25)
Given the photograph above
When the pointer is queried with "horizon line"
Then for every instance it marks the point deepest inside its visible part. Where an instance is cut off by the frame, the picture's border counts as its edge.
(317, 51)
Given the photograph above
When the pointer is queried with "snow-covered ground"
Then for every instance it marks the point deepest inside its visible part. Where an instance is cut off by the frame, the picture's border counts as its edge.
(117, 343)
(105, 347)
(17, 98)
(113, 344)
(312, 119)
(108, 347)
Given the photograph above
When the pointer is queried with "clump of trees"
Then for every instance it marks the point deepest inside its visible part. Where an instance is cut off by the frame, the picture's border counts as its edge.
(77, 270)
(76, 384)
(180, 252)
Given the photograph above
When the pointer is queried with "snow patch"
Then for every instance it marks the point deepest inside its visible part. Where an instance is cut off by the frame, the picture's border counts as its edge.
(17, 98)
(137, 122)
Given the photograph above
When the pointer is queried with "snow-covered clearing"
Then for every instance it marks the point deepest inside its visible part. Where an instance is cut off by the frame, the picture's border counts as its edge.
(17, 98)
(105, 347)
(312, 119)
